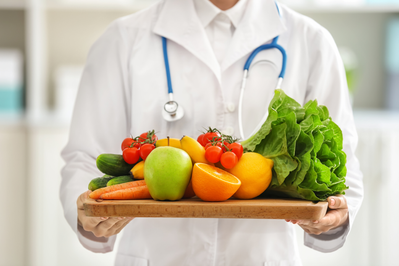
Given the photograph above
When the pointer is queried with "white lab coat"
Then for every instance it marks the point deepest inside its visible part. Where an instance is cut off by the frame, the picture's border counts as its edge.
(122, 93)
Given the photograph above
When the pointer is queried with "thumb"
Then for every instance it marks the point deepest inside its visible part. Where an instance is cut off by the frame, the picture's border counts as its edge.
(82, 198)
(337, 202)
(86, 195)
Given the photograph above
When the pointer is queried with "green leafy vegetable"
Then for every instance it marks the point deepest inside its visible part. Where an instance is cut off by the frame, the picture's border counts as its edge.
(306, 147)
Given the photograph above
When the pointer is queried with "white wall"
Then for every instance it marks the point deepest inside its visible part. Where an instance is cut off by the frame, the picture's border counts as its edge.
(51, 241)
(13, 155)
(365, 34)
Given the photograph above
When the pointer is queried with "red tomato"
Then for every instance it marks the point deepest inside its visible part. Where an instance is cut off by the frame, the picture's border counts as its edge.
(126, 143)
(146, 135)
(136, 145)
(213, 154)
(145, 150)
(237, 149)
(131, 155)
(200, 139)
(143, 136)
(210, 136)
(129, 143)
(208, 145)
(225, 144)
(229, 160)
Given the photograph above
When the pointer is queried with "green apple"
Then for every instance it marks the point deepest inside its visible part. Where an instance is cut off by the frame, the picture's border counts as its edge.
(167, 172)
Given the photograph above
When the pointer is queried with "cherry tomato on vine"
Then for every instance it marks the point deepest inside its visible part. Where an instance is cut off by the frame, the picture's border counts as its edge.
(200, 139)
(229, 160)
(131, 155)
(237, 149)
(145, 150)
(147, 135)
(136, 144)
(224, 145)
(208, 145)
(129, 143)
(126, 143)
(213, 154)
(209, 136)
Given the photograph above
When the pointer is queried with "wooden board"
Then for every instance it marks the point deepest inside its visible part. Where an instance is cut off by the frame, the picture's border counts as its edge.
(196, 208)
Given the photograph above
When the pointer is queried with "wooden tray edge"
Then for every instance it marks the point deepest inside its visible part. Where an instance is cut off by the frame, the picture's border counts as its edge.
(182, 209)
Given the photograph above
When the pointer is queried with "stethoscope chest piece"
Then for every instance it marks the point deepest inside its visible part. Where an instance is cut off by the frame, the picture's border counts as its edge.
(172, 111)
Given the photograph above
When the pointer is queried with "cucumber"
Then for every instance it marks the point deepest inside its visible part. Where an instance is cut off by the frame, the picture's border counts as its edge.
(99, 182)
(119, 180)
(113, 164)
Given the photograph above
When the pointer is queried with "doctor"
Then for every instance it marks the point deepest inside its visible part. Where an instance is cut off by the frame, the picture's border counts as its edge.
(124, 88)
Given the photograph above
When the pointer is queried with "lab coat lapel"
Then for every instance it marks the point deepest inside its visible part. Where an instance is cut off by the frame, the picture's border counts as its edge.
(178, 22)
(259, 25)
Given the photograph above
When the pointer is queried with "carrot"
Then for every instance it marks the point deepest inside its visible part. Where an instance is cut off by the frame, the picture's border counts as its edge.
(97, 193)
(140, 192)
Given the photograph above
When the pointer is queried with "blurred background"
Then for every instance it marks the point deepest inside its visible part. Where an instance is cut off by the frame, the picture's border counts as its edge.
(43, 46)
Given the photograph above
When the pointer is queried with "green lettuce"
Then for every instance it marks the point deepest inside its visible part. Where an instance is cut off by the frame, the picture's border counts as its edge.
(306, 148)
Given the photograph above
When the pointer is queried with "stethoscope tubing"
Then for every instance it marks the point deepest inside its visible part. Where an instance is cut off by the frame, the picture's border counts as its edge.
(247, 65)
(272, 45)
(167, 68)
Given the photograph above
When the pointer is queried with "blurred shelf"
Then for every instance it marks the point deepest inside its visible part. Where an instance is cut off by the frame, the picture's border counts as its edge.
(135, 6)
(345, 9)
(11, 121)
(376, 114)
(140, 4)
(376, 119)
(363, 117)
(48, 120)
(12, 5)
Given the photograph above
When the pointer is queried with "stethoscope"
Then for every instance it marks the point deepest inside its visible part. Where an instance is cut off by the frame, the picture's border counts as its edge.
(172, 111)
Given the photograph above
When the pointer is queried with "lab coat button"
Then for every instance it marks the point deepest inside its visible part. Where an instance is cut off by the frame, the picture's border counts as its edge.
(231, 107)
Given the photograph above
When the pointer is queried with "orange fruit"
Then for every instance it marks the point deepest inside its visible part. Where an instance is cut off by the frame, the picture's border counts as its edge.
(255, 174)
(213, 184)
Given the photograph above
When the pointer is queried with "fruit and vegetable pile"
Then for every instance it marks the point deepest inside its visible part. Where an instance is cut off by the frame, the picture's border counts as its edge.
(297, 153)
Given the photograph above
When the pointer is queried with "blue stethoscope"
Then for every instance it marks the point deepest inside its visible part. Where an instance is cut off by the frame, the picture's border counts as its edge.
(173, 112)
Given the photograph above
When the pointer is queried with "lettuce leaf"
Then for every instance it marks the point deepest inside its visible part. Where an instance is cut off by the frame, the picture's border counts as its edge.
(306, 148)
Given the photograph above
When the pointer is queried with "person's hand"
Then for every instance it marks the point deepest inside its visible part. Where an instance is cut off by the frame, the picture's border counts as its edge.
(100, 226)
(337, 215)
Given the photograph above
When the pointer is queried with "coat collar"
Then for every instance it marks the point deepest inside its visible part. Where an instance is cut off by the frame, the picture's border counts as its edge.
(179, 23)
(206, 12)
(260, 24)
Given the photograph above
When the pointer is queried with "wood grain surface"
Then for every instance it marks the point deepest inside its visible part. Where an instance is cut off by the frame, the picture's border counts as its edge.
(196, 208)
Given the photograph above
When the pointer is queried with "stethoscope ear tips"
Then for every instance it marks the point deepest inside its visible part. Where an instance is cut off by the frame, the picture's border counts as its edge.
(172, 111)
